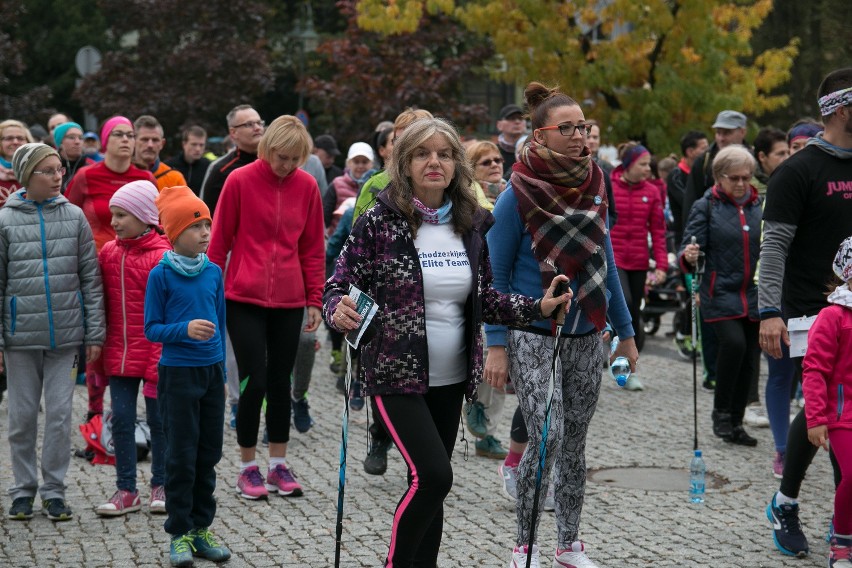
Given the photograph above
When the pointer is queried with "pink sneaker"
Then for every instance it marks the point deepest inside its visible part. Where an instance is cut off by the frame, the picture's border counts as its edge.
(157, 504)
(778, 465)
(282, 481)
(121, 503)
(250, 484)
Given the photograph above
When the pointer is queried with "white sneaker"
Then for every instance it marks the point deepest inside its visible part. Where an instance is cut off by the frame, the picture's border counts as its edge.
(574, 557)
(633, 383)
(509, 478)
(519, 557)
(755, 415)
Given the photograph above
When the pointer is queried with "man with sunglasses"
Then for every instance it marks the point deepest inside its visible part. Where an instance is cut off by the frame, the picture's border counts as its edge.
(245, 128)
(511, 126)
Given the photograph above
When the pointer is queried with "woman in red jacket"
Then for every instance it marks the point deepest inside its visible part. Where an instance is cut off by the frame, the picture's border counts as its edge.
(128, 358)
(826, 382)
(269, 218)
(639, 212)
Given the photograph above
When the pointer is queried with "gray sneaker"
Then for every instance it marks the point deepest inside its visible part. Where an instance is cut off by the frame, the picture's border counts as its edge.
(550, 498)
(509, 476)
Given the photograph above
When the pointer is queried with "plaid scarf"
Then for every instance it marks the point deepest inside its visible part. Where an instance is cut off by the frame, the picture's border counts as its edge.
(562, 202)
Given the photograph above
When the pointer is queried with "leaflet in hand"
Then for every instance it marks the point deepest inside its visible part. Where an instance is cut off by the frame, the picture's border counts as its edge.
(367, 309)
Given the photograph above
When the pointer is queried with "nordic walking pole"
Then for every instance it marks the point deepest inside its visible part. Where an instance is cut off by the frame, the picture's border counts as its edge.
(344, 438)
(697, 270)
(542, 451)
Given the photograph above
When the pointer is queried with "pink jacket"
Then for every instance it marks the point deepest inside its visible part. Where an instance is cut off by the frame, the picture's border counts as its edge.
(273, 229)
(125, 264)
(639, 211)
(826, 374)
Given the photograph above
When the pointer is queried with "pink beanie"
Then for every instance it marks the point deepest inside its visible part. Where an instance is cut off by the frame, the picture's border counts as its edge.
(109, 125)
(137, 198)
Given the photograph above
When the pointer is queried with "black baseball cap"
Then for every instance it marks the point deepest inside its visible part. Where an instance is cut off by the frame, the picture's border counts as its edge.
(328, 143)
(509, 110)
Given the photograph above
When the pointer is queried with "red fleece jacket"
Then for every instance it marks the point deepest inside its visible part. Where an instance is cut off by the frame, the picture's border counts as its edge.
(273, 228)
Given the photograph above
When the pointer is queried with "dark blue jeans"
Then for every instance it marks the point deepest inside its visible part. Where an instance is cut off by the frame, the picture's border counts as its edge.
(123, 391)
(192, 403)
(778, 383)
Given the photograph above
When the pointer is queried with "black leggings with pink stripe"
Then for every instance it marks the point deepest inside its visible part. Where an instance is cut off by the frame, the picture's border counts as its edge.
(423, 427)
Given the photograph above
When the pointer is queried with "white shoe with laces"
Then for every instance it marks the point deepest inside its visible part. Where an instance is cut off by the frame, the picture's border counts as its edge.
(519, 557)
(755, 415)
(573, 557)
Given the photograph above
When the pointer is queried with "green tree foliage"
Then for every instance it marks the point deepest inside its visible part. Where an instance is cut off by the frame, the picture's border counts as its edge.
(648, 70)
(183, 61)
(363, 78)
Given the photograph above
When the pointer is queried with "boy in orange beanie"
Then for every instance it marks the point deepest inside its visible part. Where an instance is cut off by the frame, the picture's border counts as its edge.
(185, 311)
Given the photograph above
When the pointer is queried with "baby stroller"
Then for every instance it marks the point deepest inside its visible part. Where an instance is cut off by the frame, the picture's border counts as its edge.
(663, 297)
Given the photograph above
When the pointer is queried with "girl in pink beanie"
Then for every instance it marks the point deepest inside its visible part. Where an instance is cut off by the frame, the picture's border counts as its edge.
(128, 358)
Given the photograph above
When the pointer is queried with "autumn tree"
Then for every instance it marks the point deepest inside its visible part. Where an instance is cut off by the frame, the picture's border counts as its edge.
(363, 78)
(648, 70)
(188, 69)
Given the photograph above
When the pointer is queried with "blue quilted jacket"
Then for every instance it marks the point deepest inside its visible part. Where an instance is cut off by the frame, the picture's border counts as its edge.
(729, 235)
(380, 259)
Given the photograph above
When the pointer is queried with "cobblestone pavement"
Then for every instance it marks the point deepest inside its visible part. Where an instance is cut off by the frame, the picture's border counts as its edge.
(622, 527)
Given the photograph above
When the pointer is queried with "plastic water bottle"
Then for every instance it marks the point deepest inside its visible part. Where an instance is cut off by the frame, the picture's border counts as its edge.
(620, 368)
(697, 469)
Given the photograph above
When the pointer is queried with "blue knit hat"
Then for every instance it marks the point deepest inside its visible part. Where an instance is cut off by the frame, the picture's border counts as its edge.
(60, 131)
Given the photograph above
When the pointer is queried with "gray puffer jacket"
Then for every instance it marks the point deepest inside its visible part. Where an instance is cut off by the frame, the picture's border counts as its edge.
(50, 282)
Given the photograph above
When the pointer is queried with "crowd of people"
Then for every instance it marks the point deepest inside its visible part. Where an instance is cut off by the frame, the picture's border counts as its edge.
(205, 280)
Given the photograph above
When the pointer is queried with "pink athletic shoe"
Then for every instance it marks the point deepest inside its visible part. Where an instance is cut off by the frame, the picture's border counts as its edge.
(250, 484)
(282, 481)
(121, 503)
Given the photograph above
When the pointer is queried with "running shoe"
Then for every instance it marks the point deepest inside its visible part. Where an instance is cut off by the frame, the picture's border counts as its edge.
(755, 415)
(841, 553)
(56, 509)
(778, 465)
(519, 557)
(204, 544)
(509, 478)
(250, 484)
(786, 528)
(21, 509)
(376, 462)
(573, 557)
(282, 481)
(301, 415)
(180, 550)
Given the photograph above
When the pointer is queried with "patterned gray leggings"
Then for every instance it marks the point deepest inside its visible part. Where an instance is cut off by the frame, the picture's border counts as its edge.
(575, 397)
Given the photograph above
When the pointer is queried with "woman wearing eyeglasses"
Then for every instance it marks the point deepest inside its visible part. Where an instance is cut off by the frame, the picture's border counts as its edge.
(487, 166)
(726, 226)
(641, 213)
(551, 219)
(90, 189)
(13, 135)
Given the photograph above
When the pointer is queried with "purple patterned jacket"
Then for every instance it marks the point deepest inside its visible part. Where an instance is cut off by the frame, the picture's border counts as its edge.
(380, 259)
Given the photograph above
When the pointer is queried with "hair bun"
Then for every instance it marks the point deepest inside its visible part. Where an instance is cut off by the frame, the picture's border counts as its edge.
(536, 93)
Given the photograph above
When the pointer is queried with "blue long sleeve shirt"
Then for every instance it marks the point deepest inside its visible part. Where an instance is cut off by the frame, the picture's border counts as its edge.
(515, 269)
(172, 301)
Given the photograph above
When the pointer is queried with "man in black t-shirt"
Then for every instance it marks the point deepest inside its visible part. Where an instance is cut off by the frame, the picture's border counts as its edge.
(808, 213)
